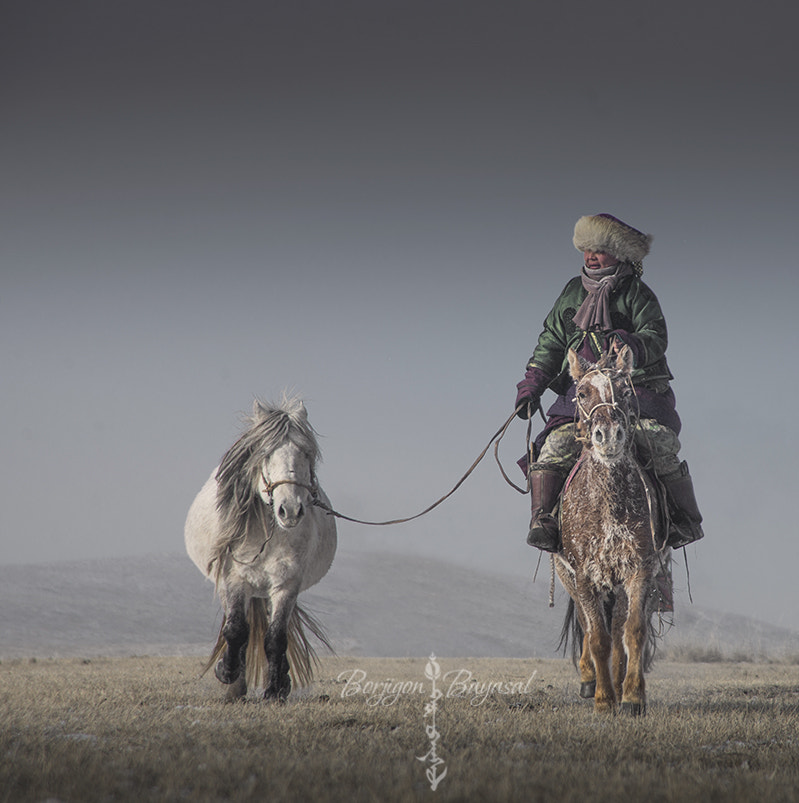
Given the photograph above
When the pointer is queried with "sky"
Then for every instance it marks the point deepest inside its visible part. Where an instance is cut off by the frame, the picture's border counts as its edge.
(371, 204)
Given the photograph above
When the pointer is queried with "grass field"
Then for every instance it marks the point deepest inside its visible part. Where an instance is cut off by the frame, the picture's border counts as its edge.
(508, 729)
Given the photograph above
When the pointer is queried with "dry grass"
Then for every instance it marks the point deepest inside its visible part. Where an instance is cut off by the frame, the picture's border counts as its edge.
(149, 729)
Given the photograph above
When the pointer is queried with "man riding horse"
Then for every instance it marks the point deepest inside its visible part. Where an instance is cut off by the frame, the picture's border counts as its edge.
(603, 309)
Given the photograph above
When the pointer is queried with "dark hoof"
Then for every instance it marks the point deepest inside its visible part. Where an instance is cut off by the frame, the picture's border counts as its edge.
(275, 696)
(224, 674)
(588, 690)
(633, 709)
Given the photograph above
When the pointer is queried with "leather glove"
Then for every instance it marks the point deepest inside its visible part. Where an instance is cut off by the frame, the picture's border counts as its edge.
(529, 392)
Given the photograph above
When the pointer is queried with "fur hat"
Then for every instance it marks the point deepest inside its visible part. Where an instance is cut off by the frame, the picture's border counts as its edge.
(612, 236)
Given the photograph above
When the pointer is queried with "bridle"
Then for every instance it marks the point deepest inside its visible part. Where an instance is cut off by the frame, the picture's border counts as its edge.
(614, 403)
(269, 487)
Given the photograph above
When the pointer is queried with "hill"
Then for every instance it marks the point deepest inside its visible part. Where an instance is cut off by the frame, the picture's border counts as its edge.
(371, 603)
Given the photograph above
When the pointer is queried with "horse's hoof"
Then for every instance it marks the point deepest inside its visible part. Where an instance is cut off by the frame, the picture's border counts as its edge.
(236, 691)
(588, 690)
(604, 707)
(271, 696)
(224, 674)
(633, 709)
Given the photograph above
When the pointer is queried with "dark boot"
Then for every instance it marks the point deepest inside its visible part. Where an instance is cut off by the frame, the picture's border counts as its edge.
(686, 519)
(545, 487)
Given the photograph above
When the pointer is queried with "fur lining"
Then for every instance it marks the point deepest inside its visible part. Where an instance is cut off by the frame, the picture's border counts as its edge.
(612, 236)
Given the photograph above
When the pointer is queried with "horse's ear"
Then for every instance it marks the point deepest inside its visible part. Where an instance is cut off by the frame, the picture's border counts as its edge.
(297, 407)
(624, 362)
(577, 366)
(294, 407)
(257, 410)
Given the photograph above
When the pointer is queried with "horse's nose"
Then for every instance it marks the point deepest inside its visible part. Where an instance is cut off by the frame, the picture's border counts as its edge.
(608, 438)
(290, 515)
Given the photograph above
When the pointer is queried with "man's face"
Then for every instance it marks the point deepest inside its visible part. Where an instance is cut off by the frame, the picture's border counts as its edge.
(599, 259)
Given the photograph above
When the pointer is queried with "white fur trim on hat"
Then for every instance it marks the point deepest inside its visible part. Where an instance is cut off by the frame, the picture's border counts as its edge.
(612, 236)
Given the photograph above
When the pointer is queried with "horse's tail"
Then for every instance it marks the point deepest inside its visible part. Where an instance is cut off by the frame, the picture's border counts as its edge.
(301, 654)
(303, 659)
(572, 632)
(651, 643)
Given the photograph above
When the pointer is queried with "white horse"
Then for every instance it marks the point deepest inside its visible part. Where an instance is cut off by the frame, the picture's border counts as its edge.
(256, 531)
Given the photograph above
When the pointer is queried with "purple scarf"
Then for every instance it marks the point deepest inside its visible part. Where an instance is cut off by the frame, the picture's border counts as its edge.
(594, 312)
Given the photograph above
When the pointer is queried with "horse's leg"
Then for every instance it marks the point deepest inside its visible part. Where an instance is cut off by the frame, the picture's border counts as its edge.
(586, 664)
(278, 681)
(633, 700)
(619, 657)
(587, 671)
(600, 646)
(236, 632)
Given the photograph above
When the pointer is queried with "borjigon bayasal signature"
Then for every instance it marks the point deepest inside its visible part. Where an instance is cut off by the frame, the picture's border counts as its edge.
(456, 683)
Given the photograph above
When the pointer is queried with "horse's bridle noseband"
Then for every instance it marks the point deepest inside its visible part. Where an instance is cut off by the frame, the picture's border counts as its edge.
(312, 489)
(614, 404)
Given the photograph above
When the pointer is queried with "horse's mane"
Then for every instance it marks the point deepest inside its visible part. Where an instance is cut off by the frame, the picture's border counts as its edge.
(238, 502)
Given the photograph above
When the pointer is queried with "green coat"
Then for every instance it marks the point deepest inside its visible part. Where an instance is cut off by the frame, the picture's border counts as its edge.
(635, 311)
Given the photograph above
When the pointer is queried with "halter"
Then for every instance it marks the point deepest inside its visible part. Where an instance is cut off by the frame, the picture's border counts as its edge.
(313, 488)
(613, 403)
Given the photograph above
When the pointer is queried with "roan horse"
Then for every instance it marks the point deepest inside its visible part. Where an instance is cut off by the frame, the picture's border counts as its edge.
(256, 531)
(612, 537)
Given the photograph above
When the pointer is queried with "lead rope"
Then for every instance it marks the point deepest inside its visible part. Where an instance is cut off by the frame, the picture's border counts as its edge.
(498, 435)
(528, 449)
